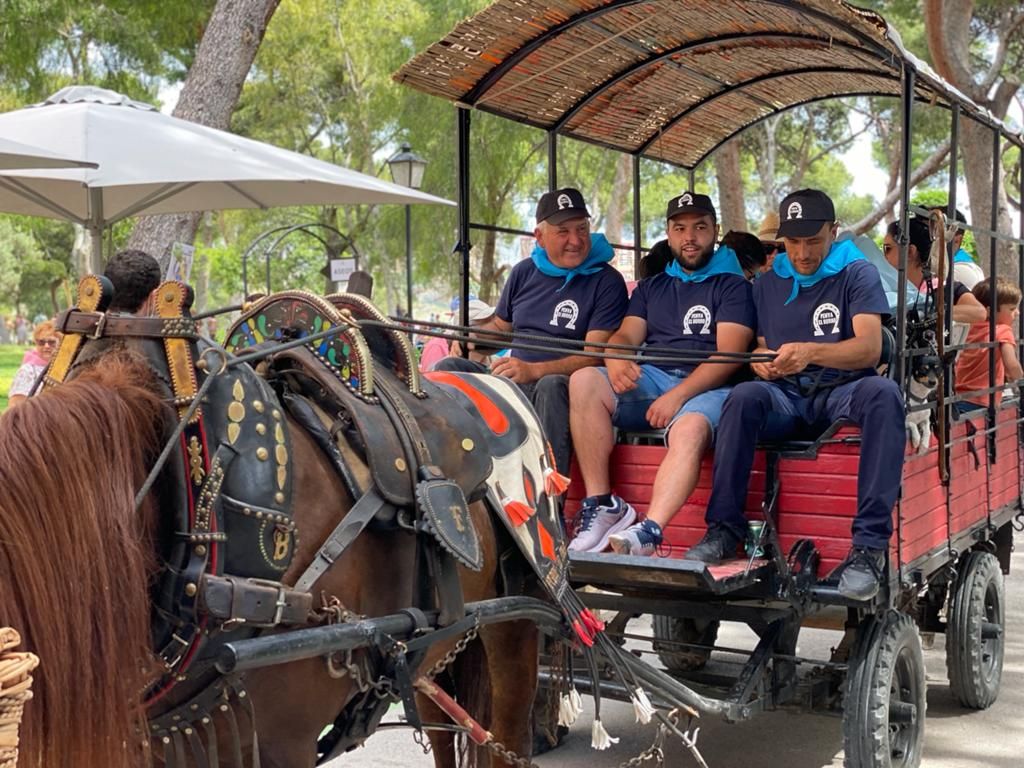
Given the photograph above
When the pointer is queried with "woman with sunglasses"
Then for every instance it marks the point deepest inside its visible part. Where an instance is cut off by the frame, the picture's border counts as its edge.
(34, 363)
(768, 234)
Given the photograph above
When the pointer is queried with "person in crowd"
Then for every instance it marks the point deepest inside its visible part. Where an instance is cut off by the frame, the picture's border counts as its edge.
(34, 363)
(135, 275)
(966, 308)
(566, 292)
(768, 234)
(437, 348)
(704, 288)
(749, 250)
(965, 268)
(972, 367)
(819, 311)
(656, 260)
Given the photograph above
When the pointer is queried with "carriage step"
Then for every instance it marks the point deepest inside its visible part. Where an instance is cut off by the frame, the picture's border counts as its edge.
(607, 569)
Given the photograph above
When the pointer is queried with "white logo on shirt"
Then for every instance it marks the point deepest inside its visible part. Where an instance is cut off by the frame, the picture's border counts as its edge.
(795, 211)
(697, 315)
(566, 310)
(825, 315)
(564, 201)
(685, 199)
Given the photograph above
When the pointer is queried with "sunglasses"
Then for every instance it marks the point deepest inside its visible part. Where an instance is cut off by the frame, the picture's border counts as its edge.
(46, 342)
(773, 248)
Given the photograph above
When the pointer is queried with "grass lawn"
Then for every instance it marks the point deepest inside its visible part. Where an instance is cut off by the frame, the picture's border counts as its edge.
(10, 359)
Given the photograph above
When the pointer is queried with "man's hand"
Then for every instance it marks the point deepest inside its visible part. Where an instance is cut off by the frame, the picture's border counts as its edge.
(664, 408)
(519, 371)
(793, 357)
(622, 375)
(766, 371)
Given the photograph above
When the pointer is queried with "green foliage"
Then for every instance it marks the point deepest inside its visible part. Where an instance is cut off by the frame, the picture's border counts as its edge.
(10, 361)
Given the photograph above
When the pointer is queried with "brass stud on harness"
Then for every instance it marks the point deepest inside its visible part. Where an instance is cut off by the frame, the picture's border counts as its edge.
(261, 429)
(191, 589)
(400, 465)
(262, 454)
(468, 445)
(200, 549)
(258, 406)
(279, 497)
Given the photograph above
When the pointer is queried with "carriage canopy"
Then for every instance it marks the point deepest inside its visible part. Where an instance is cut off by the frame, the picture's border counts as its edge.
(665, 79)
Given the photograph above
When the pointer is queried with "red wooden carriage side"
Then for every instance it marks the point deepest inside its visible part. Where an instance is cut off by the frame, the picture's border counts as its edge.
(818, 495)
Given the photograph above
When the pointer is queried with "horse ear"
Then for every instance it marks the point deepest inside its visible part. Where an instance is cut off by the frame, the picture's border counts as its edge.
(361, 283)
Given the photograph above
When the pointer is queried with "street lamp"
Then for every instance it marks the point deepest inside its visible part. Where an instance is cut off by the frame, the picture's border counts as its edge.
(407, 170)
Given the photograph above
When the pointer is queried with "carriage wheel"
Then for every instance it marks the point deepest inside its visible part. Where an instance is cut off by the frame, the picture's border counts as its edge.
(884, 706)
(975, 632)
(675, 630)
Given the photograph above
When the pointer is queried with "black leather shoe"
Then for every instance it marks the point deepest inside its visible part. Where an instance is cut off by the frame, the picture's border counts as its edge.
(862, 573)
(718, 544)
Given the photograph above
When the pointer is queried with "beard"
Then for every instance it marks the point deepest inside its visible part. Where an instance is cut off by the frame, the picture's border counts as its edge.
(692, 264)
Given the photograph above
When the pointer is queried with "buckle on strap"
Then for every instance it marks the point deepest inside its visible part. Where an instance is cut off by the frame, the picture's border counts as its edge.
(101, 323)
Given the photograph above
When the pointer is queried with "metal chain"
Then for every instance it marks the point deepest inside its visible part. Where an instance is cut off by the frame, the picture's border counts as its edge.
(449, 658)
(510, 757)
(335, 612)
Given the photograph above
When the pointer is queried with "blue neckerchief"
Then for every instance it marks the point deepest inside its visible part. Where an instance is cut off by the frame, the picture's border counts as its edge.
(722, 262)
(600, 254)
(843, 253)
(962, 256)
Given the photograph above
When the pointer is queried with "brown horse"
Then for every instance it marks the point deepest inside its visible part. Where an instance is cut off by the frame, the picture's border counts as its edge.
(76, 564)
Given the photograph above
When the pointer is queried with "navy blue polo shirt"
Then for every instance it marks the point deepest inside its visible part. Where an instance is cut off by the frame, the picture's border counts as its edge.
(685, 315)
(535, 303)
(822, 313)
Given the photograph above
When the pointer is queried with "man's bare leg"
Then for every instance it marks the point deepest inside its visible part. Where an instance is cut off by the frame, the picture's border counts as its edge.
(591, 405)
(688, 441)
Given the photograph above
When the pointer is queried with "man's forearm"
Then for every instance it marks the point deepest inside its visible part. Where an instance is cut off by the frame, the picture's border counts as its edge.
(849, 355)
(562, 366)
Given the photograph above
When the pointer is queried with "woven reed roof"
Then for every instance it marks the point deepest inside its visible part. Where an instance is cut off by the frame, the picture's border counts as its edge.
(668, 79)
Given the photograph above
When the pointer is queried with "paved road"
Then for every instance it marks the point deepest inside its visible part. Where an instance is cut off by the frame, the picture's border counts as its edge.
(955, 738)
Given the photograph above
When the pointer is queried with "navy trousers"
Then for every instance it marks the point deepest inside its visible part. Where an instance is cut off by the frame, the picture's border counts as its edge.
(550, 398)
(762, 410)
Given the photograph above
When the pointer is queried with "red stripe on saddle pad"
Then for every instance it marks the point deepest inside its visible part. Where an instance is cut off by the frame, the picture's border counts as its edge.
(492, 414)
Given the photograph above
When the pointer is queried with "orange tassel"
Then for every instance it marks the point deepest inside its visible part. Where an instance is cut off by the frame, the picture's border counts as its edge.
(517, 512)
(593, 623)
(555, 484)
(584, 635)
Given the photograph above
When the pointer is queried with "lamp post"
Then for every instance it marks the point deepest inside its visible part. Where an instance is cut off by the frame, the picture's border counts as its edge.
(407, 169)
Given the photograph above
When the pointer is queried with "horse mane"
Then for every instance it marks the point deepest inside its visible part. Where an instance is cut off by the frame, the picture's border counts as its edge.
(76, 560)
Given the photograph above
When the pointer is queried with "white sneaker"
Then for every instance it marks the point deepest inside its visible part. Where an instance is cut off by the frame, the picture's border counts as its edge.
(640, 539)
(597, 523)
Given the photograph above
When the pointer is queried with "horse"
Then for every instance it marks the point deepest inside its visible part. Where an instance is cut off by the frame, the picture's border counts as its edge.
(77, 568)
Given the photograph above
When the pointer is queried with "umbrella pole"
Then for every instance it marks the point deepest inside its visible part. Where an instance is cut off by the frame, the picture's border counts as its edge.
(95, 227)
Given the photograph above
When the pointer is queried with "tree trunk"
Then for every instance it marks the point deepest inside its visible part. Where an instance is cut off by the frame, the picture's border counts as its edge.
(732, 210)
(618, 202)
(488, 271)
(214, 83)
(976, 148)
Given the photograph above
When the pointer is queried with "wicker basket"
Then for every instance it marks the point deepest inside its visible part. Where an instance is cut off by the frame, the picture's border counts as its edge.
(15, 690)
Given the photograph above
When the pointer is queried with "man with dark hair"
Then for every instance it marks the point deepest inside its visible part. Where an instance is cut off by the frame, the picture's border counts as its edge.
(699, 305)
(819, 310)
(748, 250)
(565, 291)
(135, 275)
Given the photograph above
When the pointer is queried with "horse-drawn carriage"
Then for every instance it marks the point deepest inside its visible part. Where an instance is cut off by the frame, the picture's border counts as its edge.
(673, 82)
(313, 502)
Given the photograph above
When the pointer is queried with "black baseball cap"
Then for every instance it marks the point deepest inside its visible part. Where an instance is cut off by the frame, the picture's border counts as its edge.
(561, 205)
(690, 202)
(802, 213)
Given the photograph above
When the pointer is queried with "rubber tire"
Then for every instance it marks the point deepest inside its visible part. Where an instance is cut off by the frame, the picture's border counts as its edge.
(975, 666)
(886, 654)
(683, 630)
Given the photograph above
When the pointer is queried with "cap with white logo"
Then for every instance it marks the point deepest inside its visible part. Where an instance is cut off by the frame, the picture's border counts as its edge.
(690, 202)
(802, 213)
(562, 205)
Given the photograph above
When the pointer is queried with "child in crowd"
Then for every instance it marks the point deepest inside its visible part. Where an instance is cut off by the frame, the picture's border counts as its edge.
(972, 367)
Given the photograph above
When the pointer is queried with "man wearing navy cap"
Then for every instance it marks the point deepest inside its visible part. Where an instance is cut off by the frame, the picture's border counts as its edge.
(820, 311)
(699, 305)
(565, 291)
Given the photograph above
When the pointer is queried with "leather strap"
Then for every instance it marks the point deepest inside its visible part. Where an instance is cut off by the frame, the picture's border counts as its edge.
(93, 298)
(341, 537)
(99, 325)
(254, 602)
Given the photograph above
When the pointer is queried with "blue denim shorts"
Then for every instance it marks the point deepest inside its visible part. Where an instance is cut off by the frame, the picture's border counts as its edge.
(631, 407)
